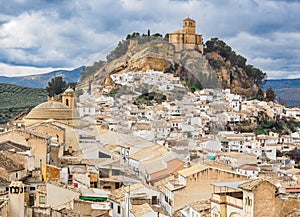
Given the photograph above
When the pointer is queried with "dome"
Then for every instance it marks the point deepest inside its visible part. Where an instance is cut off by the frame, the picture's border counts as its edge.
(51, 105)
(69, 91)
(52, 110)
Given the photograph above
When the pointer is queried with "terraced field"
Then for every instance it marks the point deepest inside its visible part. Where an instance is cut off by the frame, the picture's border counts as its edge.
(16, 99)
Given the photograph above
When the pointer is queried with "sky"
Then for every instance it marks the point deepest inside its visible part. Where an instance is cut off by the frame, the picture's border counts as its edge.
(39, 36)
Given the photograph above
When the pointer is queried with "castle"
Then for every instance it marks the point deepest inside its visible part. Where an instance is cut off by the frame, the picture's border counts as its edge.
(186, 38)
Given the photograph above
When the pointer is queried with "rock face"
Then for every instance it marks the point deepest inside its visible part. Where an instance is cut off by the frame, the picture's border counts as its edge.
(233, 77)
(158, 55)
(190, 65)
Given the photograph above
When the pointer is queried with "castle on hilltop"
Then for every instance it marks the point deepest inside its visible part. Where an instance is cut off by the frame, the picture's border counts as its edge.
(186, 38)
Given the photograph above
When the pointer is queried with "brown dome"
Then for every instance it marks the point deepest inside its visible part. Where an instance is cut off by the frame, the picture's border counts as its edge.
(52, 110)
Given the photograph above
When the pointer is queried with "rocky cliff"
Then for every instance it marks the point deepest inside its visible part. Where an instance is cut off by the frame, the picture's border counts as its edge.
(191, 66)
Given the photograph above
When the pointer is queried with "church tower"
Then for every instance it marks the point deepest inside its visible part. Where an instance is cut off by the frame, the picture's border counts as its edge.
(189, 26)
(68, 97)
(187, 37)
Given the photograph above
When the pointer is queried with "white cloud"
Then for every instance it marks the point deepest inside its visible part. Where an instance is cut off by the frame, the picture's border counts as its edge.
(12, 71)
(62, 33)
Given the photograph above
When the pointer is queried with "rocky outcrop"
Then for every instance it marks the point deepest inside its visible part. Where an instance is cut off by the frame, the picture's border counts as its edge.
(189, 65)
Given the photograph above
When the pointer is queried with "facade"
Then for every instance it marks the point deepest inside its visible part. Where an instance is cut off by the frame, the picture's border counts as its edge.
(193, 184)
(186, 38)
(257, 197)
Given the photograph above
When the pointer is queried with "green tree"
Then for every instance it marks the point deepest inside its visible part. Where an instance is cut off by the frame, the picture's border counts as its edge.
(260, 94)
(56, 86)
(270, 95)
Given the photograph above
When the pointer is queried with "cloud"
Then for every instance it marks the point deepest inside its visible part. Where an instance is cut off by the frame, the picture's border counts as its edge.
(61, 33)
(13, 71)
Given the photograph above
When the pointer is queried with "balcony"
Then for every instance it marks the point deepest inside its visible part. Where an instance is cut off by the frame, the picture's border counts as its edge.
(228, 200)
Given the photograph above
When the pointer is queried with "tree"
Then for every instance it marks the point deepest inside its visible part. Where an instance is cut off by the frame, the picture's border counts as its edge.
(72, 85)
(56, 86)
(260, 94)
(270, 95)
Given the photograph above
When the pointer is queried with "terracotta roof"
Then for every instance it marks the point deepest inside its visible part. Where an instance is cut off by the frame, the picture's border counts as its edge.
(250, 185)
(8, 164)
(200, 205)
(148, 152)
(294, 171)
(9, 145)
(188, 19)
(192, 170)
(249, 167)
(140, 210)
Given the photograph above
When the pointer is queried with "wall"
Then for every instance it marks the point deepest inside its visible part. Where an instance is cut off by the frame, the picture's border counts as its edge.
(202, 182)
(285, 206)
(38, 144)
(264, 200)
(84, 208)
(51, 130)
(57, 195)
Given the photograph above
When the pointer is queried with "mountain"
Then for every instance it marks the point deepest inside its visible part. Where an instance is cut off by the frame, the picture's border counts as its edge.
(16, 99)
(287, 90)
(41, 80)
(217, 68)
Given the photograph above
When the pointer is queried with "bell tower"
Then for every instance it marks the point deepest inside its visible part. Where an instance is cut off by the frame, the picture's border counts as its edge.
(68, 97)
(189, 26)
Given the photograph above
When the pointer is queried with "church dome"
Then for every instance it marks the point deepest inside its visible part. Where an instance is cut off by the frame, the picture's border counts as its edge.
(69, 91)
(52, 110)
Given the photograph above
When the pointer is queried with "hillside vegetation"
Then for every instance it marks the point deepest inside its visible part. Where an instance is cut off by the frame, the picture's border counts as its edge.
(220, 66)
(16, 99)
(232, 70)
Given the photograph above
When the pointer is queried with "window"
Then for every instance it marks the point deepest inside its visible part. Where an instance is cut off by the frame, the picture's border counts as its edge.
(111, 205)
(248, 201)
(119, 209)
(42, 199)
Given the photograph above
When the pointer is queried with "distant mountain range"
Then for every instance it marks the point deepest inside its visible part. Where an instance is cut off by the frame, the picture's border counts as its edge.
(287, 90)
(41, 80)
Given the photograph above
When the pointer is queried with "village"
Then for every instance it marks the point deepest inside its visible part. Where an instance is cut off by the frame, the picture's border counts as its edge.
(171, 152)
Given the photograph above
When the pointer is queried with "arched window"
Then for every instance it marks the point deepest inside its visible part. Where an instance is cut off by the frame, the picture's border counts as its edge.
(67, 102)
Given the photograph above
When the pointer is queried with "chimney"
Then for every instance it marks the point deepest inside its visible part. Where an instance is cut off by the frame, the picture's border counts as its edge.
(110, 171)
(70, 150)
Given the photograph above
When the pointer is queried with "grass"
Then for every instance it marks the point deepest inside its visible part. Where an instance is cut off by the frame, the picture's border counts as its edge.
(16, 99)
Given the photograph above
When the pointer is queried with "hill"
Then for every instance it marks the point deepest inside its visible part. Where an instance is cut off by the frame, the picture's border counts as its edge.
(41, 80)
(16, 99)
(287, 90)
(219, 67)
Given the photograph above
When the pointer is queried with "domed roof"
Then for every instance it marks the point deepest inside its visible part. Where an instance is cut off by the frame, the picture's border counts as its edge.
(52, 110)
(51, 105)
(69, 91)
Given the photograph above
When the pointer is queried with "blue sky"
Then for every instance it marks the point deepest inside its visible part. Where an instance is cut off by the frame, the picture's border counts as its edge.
(37, 36)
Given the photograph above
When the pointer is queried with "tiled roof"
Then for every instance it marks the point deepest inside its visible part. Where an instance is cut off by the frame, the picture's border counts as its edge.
(250, 185)
(192, 170)
(140, 210)
(148, 152)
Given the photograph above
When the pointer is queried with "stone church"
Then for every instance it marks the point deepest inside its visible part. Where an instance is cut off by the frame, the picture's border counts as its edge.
(62, 110)
(187, 38)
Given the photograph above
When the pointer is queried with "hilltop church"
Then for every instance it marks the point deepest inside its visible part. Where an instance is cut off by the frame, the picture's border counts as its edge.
(186, 38)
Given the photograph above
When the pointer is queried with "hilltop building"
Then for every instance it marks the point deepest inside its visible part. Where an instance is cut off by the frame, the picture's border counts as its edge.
(186, 38)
